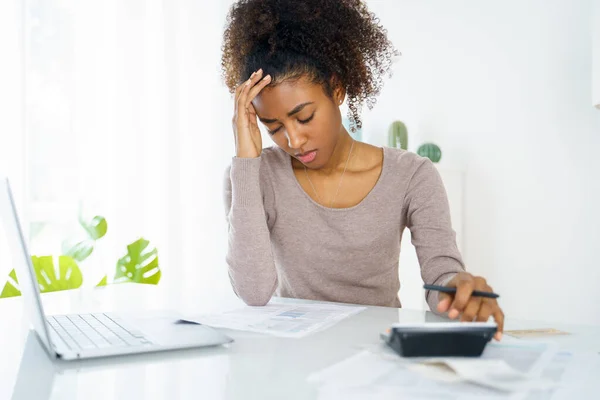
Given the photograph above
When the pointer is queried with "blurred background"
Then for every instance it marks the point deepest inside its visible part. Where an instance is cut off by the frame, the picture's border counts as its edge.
(116, 110)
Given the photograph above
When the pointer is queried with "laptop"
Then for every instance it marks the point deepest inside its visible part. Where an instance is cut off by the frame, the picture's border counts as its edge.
(92, 335)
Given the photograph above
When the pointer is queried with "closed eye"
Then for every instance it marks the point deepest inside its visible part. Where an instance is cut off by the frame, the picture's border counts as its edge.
(306, 121)
(302, 121)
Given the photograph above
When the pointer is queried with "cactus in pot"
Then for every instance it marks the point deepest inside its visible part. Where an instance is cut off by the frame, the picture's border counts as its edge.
(398, 135)
(431, 151)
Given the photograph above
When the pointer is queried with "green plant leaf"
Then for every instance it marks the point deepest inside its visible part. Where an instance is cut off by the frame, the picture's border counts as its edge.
(9, 289)
(102, 282)
(96, 228)
(79, 251)
(69, 275)
(139, 265)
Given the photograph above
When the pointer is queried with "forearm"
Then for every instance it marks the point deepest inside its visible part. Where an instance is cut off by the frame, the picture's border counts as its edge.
(428, 217)
(249, 257)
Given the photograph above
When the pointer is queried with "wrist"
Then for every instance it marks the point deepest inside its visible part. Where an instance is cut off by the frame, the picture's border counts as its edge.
(247, 154)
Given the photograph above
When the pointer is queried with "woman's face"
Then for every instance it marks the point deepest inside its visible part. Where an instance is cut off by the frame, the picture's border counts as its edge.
(301, 119)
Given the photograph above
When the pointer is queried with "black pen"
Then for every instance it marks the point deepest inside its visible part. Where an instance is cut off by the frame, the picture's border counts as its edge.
(452, 290)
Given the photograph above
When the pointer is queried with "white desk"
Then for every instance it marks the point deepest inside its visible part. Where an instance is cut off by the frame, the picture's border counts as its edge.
(253, 367)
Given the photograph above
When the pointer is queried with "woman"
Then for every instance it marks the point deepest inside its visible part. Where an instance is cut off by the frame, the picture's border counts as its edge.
(320, 215)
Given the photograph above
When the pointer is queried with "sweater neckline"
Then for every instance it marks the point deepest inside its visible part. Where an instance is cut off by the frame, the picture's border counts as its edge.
(365, 199)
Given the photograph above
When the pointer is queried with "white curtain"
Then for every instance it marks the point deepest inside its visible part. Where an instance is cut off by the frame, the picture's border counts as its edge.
(12, 144)
(125, 117)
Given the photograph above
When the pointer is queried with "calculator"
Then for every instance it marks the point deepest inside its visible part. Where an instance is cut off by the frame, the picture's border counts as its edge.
(439, 339)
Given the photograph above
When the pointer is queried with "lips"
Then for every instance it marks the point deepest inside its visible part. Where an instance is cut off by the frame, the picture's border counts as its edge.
(307, 157)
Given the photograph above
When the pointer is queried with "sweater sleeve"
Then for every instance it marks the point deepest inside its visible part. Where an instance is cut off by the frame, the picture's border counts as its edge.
(428, 219)
(249, 256)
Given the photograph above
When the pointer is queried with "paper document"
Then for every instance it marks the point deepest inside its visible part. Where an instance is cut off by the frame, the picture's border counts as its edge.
(279, 319)
(576, 373)
(536, 333)
(368, 375)
(505, 371)
(495, 374)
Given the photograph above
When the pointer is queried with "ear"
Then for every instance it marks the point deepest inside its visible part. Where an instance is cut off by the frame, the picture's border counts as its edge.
(339, 92)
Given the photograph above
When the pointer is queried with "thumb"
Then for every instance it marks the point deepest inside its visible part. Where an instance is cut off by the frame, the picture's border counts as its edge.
(444, 301)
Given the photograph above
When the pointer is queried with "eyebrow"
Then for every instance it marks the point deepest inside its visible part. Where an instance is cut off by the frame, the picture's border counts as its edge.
(296, 110)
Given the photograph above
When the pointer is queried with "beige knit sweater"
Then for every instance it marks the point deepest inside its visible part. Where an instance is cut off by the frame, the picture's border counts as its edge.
(282, 242)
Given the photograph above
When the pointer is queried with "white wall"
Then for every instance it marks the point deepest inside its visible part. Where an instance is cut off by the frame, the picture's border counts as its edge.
(504, 88)
(596, 52)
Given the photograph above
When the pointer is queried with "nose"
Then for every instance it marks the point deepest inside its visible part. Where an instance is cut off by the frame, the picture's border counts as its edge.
(295, 138)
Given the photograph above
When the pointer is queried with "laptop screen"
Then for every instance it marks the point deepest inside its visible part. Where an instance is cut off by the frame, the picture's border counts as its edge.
(12, 241)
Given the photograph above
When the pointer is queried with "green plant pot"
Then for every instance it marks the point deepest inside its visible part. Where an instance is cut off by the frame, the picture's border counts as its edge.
(431, 151)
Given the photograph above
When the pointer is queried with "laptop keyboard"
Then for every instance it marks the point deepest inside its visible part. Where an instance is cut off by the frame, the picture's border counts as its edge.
(94, 331)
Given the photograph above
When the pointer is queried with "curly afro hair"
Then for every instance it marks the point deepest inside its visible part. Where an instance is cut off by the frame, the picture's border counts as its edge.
(331, 42)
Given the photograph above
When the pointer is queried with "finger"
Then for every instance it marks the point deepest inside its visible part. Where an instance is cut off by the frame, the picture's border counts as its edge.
(499, 318)
(255, 77)
(252, 76)
(238, 91)
(251, 112)
(471, 310)
(237, 108)
(241, 103)
(444, 301)
(485, 311)
(239, 115)
(250, 81)
(257, 88)
(464, 289)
